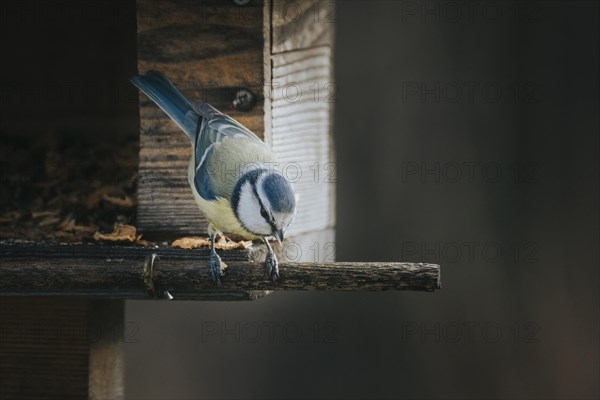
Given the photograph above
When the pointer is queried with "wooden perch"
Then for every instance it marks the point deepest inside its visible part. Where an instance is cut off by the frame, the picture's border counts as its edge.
(140, 272)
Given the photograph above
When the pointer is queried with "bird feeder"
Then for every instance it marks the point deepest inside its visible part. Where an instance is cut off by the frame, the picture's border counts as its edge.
(268, 64)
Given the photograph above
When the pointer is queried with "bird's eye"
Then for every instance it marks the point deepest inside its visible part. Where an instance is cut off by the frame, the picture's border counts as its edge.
(264, 213)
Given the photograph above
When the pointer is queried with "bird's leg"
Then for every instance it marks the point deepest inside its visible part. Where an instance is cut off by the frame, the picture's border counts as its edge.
(215, 261)
(271, 262)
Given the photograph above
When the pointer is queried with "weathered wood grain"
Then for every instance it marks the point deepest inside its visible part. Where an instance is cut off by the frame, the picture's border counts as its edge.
(186, 280)
(210, 50)
(302, 24)
(301, 110)
(43, 348)
(91, 270)
(301, 106)
(186, 276)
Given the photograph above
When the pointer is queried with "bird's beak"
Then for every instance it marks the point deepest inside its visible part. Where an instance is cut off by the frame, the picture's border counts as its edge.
(279, 236)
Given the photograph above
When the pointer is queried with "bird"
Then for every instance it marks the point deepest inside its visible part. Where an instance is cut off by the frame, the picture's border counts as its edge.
(232, 173)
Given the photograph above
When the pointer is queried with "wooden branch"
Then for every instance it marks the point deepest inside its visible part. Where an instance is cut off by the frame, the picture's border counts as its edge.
(138, 272)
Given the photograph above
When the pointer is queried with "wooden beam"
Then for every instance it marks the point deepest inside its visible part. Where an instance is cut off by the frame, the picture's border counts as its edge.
(144, 273)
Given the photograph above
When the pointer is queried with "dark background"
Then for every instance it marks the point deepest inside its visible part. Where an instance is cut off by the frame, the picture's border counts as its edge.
(468, 140)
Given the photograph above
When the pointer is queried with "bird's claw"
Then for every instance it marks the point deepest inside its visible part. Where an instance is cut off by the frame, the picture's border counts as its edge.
(272, 266)
(216, 272)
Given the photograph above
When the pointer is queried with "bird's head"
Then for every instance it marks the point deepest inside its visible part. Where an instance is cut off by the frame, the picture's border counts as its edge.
(264, 203)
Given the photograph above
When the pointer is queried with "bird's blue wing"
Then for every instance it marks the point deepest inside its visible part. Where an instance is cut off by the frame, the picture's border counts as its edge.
(205, 126)
(213, 130)
(215, 127)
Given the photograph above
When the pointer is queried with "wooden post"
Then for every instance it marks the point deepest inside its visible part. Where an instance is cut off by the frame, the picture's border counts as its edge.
(281, 52)
(106, 335)
(63, 348)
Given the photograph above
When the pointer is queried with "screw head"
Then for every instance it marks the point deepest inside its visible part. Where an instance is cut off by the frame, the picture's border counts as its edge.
(244, 100)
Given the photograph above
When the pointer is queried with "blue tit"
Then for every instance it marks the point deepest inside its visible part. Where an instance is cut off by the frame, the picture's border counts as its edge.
(232, 172)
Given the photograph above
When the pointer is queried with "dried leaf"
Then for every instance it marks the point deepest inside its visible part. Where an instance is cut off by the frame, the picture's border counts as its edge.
(111, 194)
(194, 242)
(226, 244)
(10, 216)
(78, 175)
(50, 220)
(121, 233)
(44, 213)
(119, 201)
(143, 242)
(69, 225)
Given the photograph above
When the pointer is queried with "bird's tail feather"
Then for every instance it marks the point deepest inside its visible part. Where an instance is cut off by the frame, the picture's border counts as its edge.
(158, 88)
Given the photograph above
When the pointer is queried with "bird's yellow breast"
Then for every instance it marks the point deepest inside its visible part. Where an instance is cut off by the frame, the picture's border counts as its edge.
(218, 212)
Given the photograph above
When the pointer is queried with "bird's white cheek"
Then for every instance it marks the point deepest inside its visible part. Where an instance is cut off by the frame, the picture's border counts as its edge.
(249, 213)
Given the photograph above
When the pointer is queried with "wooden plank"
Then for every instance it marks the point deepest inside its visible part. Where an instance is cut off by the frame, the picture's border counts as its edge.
(210, 50)
(43, 348)
(301, 24)
(40, 251)
(301, 107)
(186, 276)
(301, 111)
(268, 76)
